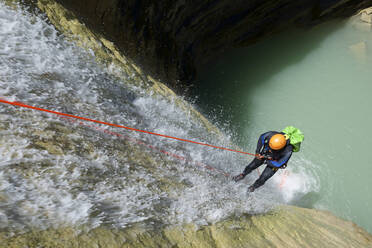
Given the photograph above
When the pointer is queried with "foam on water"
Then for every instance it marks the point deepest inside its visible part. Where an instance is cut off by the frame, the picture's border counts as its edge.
(56, 173)
(295, 182)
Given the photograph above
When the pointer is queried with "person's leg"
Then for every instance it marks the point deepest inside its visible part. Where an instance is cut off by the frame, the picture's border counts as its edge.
(249, 168)
(266, 174)
(253, 165)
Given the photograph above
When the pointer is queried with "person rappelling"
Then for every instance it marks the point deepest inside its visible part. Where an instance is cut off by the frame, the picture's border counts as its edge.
(274, 149)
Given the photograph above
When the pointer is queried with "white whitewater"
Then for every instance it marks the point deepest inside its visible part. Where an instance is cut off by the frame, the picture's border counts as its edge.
(87, 177)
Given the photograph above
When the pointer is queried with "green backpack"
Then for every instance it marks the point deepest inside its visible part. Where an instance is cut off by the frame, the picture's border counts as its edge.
(295, 137)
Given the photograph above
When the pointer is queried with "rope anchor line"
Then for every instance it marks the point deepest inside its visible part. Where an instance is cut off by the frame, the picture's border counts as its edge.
(134, 140)
(19, 104)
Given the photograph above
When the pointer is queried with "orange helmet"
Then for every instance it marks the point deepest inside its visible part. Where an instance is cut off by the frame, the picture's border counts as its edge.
(277, 142)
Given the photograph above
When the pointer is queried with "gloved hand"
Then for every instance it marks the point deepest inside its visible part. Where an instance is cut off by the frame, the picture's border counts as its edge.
(259, 156)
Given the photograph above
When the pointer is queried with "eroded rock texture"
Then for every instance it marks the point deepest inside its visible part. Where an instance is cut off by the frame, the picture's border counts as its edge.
(288, 227)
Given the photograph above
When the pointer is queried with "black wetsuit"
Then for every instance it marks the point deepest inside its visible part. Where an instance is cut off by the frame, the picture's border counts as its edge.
(279, 159)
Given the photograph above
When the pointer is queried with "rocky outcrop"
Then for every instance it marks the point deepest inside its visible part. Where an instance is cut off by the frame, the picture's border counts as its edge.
(109, 53)
(362, 21)
(366, 15)
(287, 227)
(170, 38)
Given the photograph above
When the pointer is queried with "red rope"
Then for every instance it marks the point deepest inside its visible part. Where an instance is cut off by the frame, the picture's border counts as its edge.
(284, 178)
(120, 126)
(182, 158)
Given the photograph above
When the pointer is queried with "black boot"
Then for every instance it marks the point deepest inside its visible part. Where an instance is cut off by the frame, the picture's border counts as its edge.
(251, 188)
(238, 177)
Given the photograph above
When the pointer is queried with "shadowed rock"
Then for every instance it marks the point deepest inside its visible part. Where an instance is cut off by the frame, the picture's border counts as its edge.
(169, 39)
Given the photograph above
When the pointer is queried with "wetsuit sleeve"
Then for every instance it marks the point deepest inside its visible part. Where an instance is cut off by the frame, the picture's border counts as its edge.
(261, 141)
(287, 153)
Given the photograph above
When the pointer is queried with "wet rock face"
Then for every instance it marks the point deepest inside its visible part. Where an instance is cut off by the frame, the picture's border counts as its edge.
(290, 227)
(169, 39)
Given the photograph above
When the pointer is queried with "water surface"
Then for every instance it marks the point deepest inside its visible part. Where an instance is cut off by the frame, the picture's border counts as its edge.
(318, 80)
